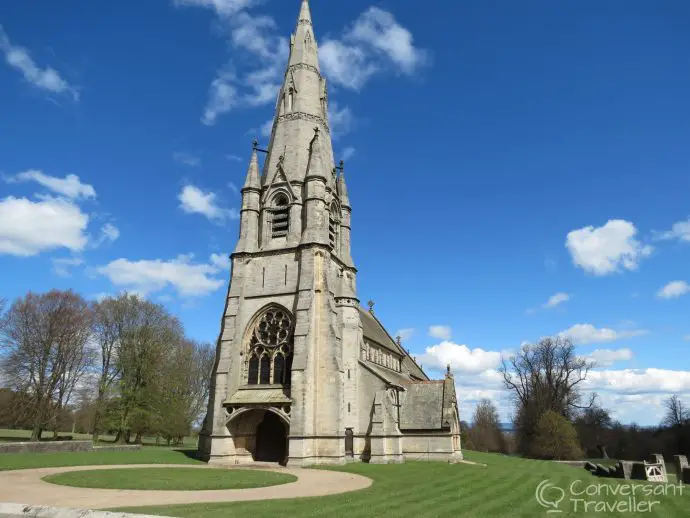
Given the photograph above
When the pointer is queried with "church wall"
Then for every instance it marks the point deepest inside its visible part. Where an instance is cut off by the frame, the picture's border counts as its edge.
(427, 446)
(368, 384)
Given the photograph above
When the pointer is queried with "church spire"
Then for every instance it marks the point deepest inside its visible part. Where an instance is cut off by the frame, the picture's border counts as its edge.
(302, 104)
(303, 48)
(251, 207)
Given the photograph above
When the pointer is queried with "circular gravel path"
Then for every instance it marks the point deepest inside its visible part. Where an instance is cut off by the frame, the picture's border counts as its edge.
(25, 486)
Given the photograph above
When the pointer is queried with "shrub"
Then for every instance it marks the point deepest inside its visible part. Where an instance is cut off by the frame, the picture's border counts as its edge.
(555, 438)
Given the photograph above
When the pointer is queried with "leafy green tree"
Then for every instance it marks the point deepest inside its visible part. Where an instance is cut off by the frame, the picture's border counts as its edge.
(555, 438)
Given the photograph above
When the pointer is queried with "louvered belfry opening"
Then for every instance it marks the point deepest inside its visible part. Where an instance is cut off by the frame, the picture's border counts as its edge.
(281, 217)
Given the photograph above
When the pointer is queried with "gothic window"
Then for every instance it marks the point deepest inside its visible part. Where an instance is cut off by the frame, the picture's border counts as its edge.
(270, 349)
(280, 222)
(334, 228)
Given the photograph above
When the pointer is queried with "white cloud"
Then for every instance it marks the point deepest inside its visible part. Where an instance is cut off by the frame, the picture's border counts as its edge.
(186, 159)
(266, 128)
(233, 188)
(109, 234)
(221, 261)
(47, 78)
(62, 266)
(70, 186)
(405, 334)
(348, 153)
(440, 332)
(375, 42)
(222, 97)
(637, 381)
(460, 358)
(29, 227)
(557, 299)
(180, 274)
(341, 120)
(582, 334)
(257, 45)
(673, 290)
(607, 357)
(606, 249)
(680, 231)
(195, 201)
(233, 158)
(222, 7)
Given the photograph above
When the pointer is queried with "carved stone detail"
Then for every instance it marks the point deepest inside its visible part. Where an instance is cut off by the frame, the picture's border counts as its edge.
(305, 116)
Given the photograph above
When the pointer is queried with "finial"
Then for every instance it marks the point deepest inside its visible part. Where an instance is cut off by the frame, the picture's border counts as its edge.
(448, 368)
(342, 165)
(281, 159)
(371, 305)
(255, 144)
(398, 340)
(316, 130)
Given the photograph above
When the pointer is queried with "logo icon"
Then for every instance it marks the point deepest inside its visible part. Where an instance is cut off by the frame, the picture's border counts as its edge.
(549, 501)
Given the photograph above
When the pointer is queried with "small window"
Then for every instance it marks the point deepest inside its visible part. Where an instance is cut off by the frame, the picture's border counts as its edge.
(281, 217)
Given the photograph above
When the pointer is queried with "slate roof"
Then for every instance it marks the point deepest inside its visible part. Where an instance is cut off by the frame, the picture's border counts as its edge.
(374, 331)
(422, 406)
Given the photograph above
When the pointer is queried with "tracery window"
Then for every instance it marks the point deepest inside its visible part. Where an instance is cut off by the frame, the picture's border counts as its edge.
(270, 349)
(280, 222)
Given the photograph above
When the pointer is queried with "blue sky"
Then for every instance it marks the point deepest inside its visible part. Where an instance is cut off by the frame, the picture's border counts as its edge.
(516, 169)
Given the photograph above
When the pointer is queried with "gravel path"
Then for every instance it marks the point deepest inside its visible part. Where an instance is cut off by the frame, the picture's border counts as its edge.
(25, 486)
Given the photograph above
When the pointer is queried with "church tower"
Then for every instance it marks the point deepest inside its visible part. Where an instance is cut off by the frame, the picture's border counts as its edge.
(278, 386)
(303, 373)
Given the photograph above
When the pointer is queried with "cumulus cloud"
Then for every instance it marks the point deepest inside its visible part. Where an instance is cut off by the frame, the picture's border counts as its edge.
(221, 261)
(607, 357)
(582, 334)
(440, 332)
(680, 231)
(460, 358)
(223, 7)
(188, 279)
(195, 201)
(374, 42)
(28, 227)
(673, 290)
(70, 186)
(638, 381)
(607, 249)
(47, 79)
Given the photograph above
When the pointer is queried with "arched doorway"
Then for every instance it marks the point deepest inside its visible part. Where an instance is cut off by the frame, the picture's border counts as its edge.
(271, 439)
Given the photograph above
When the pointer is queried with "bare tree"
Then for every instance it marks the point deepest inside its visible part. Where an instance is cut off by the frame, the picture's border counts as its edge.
(677, 414)
(45, 342)
(486, 431)
(545, 377)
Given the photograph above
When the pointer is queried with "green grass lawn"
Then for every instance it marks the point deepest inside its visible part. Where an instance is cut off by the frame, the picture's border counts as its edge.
(505, 487)
(147, 455)
(184, 479)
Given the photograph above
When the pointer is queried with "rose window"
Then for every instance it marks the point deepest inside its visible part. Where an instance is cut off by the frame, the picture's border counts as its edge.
(270, 349)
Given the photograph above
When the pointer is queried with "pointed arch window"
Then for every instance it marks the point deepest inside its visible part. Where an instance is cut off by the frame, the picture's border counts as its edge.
(280, 219)
(270, 348)
(334, 228)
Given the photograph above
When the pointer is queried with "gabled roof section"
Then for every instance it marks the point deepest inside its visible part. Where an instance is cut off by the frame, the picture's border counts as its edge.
(422, 407)
(374, 331)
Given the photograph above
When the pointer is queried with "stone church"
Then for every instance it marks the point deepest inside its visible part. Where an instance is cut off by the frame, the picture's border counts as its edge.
(303, 374)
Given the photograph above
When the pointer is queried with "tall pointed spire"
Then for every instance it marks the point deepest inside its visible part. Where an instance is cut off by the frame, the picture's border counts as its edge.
(302, 103)
(252, 180)
(342, 188)
(303, 49)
